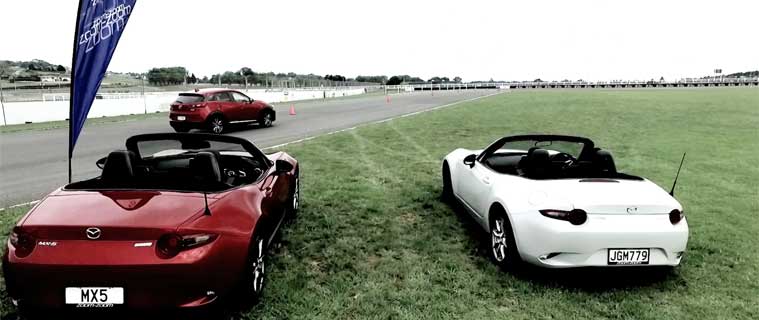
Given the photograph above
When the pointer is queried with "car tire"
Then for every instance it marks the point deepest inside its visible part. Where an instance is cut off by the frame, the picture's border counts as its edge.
(254, 278)
(502, 247)
(447, 194)
(217, 124)
(266, 120)
(295, 196)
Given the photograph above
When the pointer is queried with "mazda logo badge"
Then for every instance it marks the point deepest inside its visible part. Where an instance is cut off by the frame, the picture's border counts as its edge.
(93, 233)
(632, 210)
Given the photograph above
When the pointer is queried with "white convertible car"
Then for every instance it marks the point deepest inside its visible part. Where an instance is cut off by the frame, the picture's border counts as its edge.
(559, 202)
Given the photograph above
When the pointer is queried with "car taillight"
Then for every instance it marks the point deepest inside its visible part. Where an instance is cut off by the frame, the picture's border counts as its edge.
(170, 245)
(675, 216)
(23, 242)
(575, 217)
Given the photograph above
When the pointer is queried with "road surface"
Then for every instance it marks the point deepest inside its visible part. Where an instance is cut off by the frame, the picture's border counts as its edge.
(33, 163)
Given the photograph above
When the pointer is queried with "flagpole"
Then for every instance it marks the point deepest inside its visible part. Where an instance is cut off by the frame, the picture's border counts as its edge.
(72, 82)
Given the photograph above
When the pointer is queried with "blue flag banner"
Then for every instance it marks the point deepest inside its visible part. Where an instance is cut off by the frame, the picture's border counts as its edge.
(99, 26)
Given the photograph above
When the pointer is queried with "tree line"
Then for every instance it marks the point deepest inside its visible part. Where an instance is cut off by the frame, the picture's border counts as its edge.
(246, 76)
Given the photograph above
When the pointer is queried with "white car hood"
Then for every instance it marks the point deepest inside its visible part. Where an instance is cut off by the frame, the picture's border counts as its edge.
(621, 197)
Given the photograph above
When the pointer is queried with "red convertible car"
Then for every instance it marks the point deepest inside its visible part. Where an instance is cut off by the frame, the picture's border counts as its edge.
(175, 220)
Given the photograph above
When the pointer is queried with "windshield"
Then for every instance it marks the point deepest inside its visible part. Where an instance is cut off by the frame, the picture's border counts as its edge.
(169, 147)
(553, 146)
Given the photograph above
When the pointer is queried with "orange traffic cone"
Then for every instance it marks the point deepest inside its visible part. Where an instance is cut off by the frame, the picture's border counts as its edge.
(292, 109)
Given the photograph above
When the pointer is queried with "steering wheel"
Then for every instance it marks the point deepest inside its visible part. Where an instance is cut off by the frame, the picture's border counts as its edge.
(564, 157)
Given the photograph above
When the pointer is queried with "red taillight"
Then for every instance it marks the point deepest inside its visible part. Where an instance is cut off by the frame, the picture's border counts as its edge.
(675, 216)
(169, 245)
(575, 217)
(23, 242)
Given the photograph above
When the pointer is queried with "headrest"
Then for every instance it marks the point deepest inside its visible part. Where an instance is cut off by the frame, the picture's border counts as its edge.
(538, 156)
(118, 167)
(205, 167)
(604, 162)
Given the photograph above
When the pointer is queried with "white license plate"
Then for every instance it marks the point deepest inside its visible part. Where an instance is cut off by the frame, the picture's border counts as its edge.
(628, 256)
(95, 297)
(181, 118)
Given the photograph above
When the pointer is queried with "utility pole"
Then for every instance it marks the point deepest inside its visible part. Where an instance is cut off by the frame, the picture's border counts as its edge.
(144, 102)
(2, 103)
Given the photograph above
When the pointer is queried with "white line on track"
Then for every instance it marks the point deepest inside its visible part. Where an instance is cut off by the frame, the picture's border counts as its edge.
(326, 134)
(20, 205)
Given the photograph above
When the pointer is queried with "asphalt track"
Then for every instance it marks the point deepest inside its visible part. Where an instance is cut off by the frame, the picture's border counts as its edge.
(33, 163)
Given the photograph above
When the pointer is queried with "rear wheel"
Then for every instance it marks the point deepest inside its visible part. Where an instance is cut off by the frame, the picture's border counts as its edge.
(217, 124)
(255, 270)
(503, 247)
(266, 120)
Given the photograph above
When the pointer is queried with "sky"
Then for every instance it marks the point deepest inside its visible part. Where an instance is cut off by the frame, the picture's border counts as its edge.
(472, 39)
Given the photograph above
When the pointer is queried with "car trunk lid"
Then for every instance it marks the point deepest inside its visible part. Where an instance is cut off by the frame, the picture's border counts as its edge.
(118, 215)
(614, 196)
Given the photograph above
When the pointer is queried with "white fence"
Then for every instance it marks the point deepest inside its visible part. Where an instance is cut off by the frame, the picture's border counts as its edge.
(56, 108)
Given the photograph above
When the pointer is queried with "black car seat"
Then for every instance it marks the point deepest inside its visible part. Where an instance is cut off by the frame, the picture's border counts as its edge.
(537, 163)
(205, 168)
(604, 163)
(119, 170)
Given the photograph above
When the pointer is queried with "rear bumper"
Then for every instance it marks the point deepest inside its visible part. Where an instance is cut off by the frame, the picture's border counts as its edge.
(197, 279)
(558, 244)
(190, 119)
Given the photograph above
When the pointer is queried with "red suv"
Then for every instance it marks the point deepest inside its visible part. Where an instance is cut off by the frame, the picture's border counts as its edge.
(216, 109)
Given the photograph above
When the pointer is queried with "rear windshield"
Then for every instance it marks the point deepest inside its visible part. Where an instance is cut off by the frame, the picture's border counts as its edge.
(189, 98)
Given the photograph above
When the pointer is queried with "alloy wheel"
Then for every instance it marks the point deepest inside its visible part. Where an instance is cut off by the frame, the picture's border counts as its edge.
(217, 125)
(296, 195)
(498, 240)
(259, 269)
(267, 120)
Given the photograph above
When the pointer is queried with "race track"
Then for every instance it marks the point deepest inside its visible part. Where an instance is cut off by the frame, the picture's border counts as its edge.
(33, 163)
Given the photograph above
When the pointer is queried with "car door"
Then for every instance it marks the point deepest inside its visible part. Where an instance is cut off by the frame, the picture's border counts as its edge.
(275, 192)
(474, 187)
(227, 106)
(248, 108)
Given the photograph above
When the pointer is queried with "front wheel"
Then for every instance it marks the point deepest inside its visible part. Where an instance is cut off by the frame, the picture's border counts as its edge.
(255, 270)
(447, 194)
(295, 196)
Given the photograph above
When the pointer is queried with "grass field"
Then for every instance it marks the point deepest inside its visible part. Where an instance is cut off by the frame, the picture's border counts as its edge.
(374, 241)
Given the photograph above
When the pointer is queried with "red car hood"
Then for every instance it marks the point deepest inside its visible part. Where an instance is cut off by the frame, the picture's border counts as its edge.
(63, 214)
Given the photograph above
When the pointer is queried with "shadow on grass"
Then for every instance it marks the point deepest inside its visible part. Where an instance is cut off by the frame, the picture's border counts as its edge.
(586, 279)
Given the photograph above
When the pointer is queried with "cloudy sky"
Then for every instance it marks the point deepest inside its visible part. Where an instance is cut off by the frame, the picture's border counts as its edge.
(473, 39)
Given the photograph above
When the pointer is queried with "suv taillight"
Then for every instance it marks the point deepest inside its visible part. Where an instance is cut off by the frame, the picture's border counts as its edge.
(23, 242)
(170, 245)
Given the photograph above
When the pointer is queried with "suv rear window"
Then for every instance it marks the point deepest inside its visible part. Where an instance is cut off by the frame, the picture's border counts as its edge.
(189, 98)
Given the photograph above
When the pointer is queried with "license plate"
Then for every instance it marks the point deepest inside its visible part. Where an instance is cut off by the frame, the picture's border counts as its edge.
(94, 297)
(181, 118)
(628, 256)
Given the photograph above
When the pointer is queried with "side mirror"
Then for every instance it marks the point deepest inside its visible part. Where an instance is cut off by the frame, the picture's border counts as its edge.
(101, 162)
(282, 166)
(469, 160)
